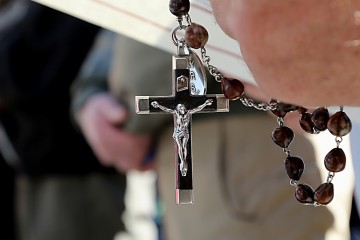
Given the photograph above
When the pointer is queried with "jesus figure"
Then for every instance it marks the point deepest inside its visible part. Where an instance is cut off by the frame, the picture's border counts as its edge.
(181, 133)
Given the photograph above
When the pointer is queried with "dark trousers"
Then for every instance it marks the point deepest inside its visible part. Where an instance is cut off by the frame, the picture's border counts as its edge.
(7, 216)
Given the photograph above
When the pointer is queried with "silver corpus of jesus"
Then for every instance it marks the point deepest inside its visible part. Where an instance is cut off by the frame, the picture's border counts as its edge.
(188, 97)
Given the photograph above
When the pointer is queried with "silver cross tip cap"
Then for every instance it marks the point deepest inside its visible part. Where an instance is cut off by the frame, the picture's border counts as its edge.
(184, 196)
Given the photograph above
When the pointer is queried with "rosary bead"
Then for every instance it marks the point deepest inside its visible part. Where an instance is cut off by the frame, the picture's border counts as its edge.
(283, 136)
(320, 117)
(301, 110)
(294, 167)
(279, 112)
(232, 88)
(288, 107)
(306, 123)
(339, 124)
(179, 7)
(304, 194)
(283, 108)
(335, 160)
(196, 36)
(324, 194)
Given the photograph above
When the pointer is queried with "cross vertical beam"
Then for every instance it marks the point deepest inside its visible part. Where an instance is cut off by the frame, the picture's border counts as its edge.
(184, 101)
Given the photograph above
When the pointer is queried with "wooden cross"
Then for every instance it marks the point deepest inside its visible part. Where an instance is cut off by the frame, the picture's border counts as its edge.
(187, 98)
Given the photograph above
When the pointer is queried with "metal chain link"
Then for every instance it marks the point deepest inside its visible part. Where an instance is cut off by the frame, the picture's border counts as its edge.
(330, 177)
(280, 121)
(294, 183)
(212, 69)
(188, 19)
(338, 140)
(259, 106)
(287, 151)
(219, 76)
(181, 19)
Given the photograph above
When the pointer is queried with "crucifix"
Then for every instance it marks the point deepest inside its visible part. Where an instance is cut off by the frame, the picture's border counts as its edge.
(188, 97)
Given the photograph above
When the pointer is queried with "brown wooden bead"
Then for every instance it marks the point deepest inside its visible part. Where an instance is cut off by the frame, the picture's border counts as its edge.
(283, 108)
(294, 167)
(306, 123)
(304, 194)
(279, 112)
(339, 124)
(324, 194)
(283, 136)
(335, 160)
(301, 110)
(232, 88)
(179, 7)
(320, 117)
(196, 36)
(287, 107)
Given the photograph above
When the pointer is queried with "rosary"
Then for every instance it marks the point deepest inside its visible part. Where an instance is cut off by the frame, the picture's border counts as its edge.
(189, 96)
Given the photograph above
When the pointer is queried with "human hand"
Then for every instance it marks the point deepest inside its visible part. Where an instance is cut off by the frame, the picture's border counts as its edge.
(99, 120)
(301, 52)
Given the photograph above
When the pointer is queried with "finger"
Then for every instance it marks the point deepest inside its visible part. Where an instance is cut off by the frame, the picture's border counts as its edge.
(125, 163)
(113, 111)
(133, 157)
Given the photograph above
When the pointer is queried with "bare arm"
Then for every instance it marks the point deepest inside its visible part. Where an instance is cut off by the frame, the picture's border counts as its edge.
(201, 107)
(155, 104)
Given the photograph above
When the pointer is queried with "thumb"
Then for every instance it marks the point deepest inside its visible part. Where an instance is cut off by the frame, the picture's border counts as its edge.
(113, 111)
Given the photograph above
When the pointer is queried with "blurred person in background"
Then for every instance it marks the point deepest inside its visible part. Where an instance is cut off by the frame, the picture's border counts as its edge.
(62, 191)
